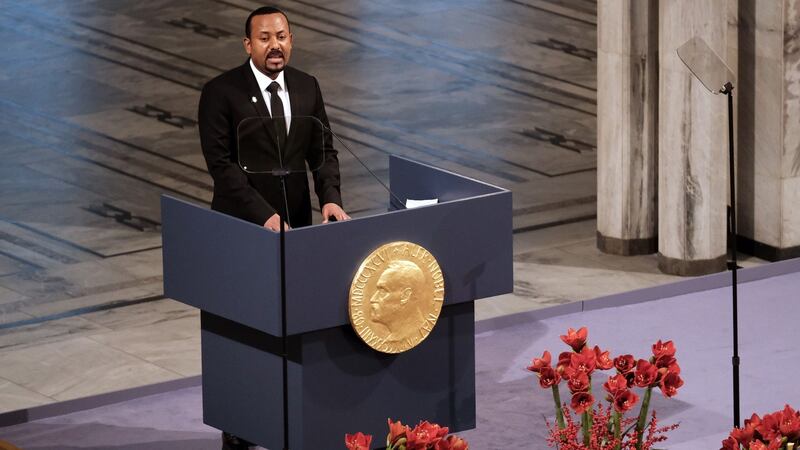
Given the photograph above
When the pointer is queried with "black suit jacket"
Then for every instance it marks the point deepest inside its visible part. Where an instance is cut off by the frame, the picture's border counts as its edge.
(224, 103)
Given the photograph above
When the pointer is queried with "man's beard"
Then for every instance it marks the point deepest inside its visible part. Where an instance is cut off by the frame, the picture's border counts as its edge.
(275, 68)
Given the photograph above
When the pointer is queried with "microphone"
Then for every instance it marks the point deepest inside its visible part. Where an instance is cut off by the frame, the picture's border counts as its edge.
(395, 198)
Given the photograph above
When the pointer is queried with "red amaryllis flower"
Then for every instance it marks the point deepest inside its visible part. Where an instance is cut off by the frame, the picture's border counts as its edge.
(665, 361)
(624, 363)
(624, 401)
(538, 363)
(753, 421)
(452, 443)
(424, 435)
(616, 384)
(670, 383)
(770, 426)
(663, 349)
(790, 423)
(603, 358)
(645, 374)
(575, 339)
(584, 361)
(563, 361)
(581, 401)
(358, 441)
(730, 444)
(548, 377)
(579, 382)
(744, 435)
(396, 431)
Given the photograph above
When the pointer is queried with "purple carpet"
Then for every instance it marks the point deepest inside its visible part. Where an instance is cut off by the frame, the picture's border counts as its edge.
(511, 406)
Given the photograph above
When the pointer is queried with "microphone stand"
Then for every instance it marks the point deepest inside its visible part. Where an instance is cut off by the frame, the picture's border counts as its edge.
(727, 89)
(400, 203)
(284, 338)
(282, 173)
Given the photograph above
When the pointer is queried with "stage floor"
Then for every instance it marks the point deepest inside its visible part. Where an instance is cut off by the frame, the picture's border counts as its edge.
(511, 406)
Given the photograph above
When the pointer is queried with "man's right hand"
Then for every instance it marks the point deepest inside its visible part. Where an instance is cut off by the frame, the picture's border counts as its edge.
(274, 223)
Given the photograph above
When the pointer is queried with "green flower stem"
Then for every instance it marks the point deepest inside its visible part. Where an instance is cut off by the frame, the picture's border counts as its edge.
(585, 419)
(643, 418)
(617, 429)
(559, 410)
(589, 416)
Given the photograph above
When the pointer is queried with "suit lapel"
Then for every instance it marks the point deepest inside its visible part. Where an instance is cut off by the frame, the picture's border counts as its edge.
(295, 100)
(254, 92)
(259, 107)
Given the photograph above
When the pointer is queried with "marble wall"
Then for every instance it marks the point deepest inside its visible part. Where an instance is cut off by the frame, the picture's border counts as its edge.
(627, 103)
(768, 134)
(692, 143)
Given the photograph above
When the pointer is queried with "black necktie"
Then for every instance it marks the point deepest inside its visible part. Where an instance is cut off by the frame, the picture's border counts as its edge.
(278, 118)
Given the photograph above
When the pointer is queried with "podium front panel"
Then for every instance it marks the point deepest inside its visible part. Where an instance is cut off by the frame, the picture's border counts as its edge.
(220, 264)
(472, 240)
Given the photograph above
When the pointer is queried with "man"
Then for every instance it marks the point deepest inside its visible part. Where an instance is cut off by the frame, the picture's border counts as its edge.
(399, 300)
(265, 86)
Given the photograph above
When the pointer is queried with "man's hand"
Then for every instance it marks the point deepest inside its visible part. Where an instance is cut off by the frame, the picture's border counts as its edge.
(274, 223)
(333, 210)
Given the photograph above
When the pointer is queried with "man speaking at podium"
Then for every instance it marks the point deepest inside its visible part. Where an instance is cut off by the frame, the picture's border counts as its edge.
(265, 86)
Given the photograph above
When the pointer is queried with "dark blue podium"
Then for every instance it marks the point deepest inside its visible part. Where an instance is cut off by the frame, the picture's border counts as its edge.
(336, 384)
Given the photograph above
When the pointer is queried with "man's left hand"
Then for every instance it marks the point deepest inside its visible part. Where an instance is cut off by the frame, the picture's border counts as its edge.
(333, 210)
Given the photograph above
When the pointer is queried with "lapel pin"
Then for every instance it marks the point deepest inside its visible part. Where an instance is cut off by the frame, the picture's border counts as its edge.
(254, 99)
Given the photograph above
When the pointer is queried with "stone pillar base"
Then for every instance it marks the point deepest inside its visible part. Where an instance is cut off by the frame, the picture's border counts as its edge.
(692, 268)
(626, 247)
(766, 251)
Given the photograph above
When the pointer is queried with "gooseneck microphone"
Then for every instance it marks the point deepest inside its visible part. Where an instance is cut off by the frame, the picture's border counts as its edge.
(397, 199)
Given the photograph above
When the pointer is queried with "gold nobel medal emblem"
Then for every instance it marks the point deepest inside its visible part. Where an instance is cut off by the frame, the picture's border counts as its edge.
(396, 297)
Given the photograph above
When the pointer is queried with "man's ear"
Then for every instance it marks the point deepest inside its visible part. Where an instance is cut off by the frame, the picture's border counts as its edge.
(405, 296)
(246, 44)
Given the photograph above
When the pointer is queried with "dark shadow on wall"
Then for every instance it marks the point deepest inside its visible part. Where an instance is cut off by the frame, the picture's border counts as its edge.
(746, 95)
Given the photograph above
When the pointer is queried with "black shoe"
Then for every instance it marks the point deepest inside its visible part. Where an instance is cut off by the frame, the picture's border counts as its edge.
(231, 442)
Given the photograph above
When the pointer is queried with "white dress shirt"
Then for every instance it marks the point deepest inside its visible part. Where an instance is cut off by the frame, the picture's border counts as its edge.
(264, 82)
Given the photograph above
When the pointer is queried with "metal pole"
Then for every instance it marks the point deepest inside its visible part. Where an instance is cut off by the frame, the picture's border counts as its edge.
(284, 338)
(728, 89)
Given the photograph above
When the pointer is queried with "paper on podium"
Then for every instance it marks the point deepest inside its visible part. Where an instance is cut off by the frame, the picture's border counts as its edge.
(417, 203)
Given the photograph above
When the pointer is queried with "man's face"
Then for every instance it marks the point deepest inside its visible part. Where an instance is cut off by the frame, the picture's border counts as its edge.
(388, 301)
(269, 44)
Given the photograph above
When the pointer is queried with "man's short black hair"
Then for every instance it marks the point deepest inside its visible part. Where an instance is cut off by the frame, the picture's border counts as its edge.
(263, 11)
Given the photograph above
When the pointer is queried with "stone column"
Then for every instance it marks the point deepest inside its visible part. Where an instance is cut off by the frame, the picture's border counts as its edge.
(627, 102)
(769, 129)
(692, 144)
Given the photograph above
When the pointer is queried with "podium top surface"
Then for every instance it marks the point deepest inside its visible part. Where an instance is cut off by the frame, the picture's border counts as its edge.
(231, 268)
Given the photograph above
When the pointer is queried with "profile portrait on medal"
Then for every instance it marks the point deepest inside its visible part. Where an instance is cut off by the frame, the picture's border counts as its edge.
(400, 300)
(396, 297)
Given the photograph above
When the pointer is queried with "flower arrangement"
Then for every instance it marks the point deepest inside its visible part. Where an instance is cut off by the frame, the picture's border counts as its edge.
(424, 436)
(607, 428)
(777, 431)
